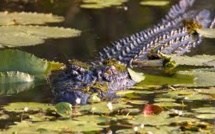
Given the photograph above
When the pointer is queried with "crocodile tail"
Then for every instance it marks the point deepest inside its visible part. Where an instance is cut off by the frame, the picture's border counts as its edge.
(170, 36)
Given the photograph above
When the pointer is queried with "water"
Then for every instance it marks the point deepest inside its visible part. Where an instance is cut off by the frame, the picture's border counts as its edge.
(99, 28)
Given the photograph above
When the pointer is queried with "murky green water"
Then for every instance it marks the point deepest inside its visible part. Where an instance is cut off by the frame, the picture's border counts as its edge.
(99, 28)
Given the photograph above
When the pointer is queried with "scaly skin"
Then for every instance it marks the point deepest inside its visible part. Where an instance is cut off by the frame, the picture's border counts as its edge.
(171, 36)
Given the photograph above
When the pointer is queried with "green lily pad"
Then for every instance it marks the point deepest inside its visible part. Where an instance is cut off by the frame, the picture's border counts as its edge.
(206, 32)
(197, 60)
(135, 76)
(22, 127)
(24, 18)
(138, 102)
(13, 82)
(168, 104)
(154, 3)
(38, 117)
(16, 36)
(15, 77)
(162, 79)
(64, 109)
(150, 129)
(20, 71)
(198, 97)
(178, 94)
(124, 92)
(205, 116)
(210, 110)
(204, 77)
(33, 106)
(99, 4)
(85, 123)
(102, 107)
(164, 100)
(158, 120)
(15, 60)
(94, 99)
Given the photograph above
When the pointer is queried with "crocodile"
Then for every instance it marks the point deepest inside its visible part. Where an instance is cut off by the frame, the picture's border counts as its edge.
(175, 34)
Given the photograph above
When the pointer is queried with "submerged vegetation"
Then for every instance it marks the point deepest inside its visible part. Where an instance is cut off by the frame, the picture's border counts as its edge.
(179, 100)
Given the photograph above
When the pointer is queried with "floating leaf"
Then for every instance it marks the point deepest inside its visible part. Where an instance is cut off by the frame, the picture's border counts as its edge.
(210, 91)
(205, 110)
(198, 97)
(169, 104)
(15, 60)
(82, 123)
(154, 3)
(203, 77)
(205, 116)
(135, 76)
(179, 93)
(21, 127)
(63, 126)
(162, 79)
(99, 4)
(164, 100)
(40, 117)
(197, 60)
(124, 92)
(137, 102)
(102, 107)
(33, 106)
(150, 130)
(20, 71)
(158, 120)
(150, 109)
(24, 18)
(206, 32)
(15, 77)
(15, 36)
(94, 98)
(64, 109)
(12, 82)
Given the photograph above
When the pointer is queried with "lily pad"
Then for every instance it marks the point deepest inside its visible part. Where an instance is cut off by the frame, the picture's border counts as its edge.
(102, 107)
(69, 126)
(15, 60)
(197, 60)
(24, 18)
(198, 97)
(16, 36)
(65, 126)
(203, 77)
(64, 109)
(33, 106)
(150, 130)
(154, 3)
(164, 100)
(14, 82)
(205, 116)
(158, 120)
(162, 79)
(15, 77)
(206, 32)
(99, 4)
(135, 76)
(205, 110)
(168, 104)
